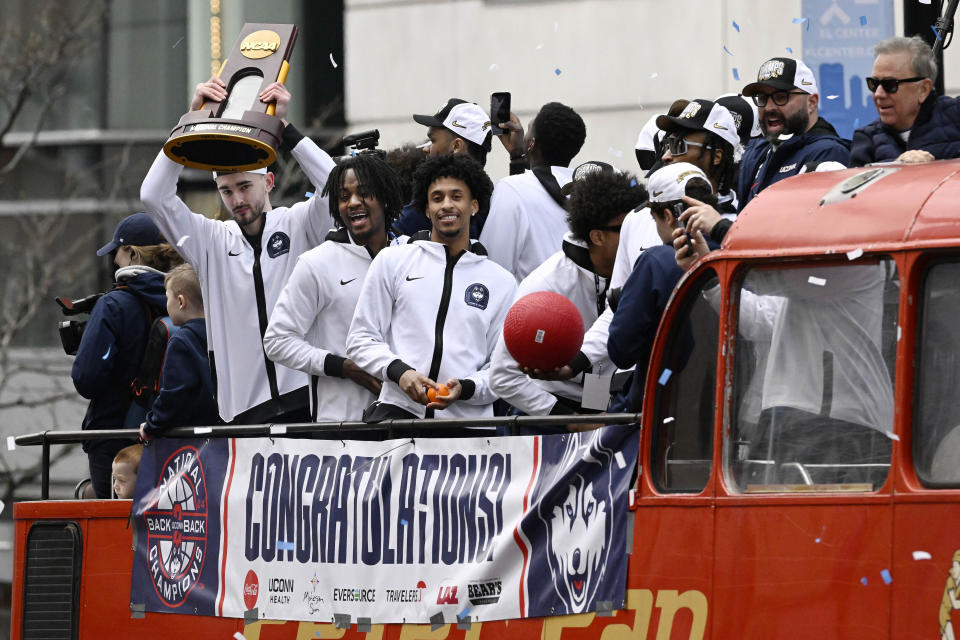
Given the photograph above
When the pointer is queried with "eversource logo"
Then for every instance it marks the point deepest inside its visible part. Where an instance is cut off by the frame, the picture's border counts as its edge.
(354, 595)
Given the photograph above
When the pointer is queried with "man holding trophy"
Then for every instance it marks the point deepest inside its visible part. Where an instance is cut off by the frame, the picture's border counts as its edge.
(243, 263)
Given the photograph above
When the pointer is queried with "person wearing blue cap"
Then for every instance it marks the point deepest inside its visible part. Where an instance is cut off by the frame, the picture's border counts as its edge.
(115, 337)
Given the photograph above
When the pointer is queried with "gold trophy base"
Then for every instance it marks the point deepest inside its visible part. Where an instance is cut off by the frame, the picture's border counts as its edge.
(201, 141)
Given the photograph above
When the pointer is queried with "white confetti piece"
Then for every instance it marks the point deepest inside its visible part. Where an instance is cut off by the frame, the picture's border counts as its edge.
(539, 46)
(278, 429)
(182, 240)
(620, 461)
(332, 61)
(668, 420)
(2, 505)
(924, 1)
(239, 636)
(556, 25)
(892, 435)
(832, 96)
(853, 255)
(201, 430)
(817, 281)
(899, 332)
(653, 75)
(922, 555)
(11, 443)
(615, 152)
(494, 66)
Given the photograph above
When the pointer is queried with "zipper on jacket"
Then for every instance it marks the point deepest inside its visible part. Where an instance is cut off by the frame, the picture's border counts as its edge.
(442, 318)
(262, 316)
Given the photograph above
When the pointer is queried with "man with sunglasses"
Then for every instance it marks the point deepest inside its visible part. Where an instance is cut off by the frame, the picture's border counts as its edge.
(794, 134)
(915, 124)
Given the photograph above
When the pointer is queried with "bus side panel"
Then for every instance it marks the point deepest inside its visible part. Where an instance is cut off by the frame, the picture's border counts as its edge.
(808, 571)
(926, 543)
(670, 572)
(107, 562)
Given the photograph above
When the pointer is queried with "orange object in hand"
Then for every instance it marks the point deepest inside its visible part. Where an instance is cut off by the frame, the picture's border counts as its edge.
(441, 392)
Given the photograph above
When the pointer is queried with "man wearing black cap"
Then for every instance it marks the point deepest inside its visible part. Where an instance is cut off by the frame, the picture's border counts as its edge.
(794, 133)
(459, 127)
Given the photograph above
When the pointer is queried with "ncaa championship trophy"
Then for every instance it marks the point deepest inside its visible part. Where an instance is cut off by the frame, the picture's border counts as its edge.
(241, 133)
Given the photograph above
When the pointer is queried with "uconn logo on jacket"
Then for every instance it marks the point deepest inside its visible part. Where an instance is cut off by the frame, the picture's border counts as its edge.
(576, 528)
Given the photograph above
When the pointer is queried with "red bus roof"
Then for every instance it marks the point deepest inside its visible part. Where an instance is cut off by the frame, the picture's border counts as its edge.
(913, 205)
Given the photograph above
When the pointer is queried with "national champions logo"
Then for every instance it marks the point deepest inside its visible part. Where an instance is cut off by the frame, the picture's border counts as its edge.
(176, 525)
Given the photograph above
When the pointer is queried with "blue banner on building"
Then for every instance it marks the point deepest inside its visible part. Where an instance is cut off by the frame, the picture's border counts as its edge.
(838, 39)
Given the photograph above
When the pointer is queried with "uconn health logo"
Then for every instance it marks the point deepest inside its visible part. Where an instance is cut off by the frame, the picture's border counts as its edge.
(176, 526)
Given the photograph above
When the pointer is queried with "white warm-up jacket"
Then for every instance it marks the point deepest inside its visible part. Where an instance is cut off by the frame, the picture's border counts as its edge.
(436, 313)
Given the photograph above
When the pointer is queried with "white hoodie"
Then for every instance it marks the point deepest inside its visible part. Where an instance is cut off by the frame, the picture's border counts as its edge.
(442, 316)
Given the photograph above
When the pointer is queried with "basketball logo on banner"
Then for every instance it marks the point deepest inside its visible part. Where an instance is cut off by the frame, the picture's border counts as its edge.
(176, 527)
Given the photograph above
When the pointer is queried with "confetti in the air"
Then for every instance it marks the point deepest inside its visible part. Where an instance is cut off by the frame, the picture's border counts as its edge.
(885, 574)
(665, 377)
(832, 96)
(727, 51)
(308, 194)
(922, 555)
(620, 461)
(935, 32)
(615, 152)
(278, 429)
(177, 42)
(653, 75)
(668, 420)
(789, 50)
(557, 71)
(494, 66)
(736, 26)
(199, 431)
(332, 61)
(182, 240)
(11, 443)
(863, 580)
(736, 74)
(863, 21)
(853, 255)
(892, 435)
(817, 281)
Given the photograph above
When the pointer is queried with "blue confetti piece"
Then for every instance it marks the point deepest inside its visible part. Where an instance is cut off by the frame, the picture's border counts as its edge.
(789, 50)
(885, 574)
(736, 26)
(799, 20)
(177, 42)
(863, 21)
(817, 540)
(935, 32)
(283, 545)
(633, 182)
(463, 614)
(557, 71)
(736, 74)
(863, 580)
(665, 377)
(727, 51)
(107, 354)
(308, 194)
(403, 522)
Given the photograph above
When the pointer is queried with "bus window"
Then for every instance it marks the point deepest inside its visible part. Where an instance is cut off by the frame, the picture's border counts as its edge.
(684, 401)
(936, 425)
(812, 399)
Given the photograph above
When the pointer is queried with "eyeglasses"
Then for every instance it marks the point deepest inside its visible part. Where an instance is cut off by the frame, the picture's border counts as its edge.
(780, 98)
(679, 146)
(890, 85)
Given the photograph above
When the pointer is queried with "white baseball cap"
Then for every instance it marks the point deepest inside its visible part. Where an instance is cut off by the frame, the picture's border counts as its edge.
(463, 118)
(669, 183)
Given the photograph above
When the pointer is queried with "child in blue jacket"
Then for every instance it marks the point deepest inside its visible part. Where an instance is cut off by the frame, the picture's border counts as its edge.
(186, 397)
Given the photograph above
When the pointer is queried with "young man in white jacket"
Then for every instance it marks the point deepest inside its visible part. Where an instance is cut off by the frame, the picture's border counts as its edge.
(243, 264)
(430, 311)
(309, 325)
(580, 271)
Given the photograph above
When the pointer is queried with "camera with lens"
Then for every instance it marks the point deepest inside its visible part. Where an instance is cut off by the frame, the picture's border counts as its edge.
(71, 331)
(359, 143)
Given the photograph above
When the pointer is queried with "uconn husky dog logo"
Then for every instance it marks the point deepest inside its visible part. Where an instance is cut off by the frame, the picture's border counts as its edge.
(576, 531)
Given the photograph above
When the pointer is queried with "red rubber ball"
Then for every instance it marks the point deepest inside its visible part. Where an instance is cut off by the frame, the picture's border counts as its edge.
(543, 330)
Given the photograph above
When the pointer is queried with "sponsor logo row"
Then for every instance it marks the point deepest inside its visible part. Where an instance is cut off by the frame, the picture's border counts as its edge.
(279, 590)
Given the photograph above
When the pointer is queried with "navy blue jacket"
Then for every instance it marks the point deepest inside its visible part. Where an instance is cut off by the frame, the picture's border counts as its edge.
(757, 172)
(186, 386)
(936, 129)
(111, 350)
(642, 300)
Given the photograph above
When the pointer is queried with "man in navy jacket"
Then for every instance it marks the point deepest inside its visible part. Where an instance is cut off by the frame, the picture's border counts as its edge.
(915, 124)
(794, 134)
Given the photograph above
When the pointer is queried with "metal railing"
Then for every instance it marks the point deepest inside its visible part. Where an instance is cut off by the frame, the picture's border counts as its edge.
(396, 428)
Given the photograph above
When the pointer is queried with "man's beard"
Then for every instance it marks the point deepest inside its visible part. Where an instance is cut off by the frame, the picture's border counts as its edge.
(793, 125)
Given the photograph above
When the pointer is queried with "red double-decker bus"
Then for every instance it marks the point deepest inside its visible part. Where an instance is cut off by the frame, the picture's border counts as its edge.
(799, 459)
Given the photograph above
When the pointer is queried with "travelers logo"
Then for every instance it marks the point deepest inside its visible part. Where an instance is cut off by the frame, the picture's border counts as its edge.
(176, 524)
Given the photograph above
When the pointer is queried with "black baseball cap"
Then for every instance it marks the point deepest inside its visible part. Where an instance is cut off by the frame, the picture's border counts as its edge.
(783, 74)
(703, 115)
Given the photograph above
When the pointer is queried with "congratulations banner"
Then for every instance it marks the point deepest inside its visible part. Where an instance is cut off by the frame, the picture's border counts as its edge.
(394, 531)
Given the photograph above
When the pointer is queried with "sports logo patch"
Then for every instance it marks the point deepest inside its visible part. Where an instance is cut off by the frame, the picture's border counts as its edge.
(770, 69)
(176, 526)
(477, 295)
(278, 244)
(690, 110)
